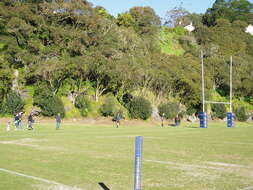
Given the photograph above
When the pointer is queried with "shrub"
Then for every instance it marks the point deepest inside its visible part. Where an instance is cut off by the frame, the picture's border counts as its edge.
(13, 103)
(49, 104)
(109, 108)
(170, 110)
(190, 111)
(127, 98)
(219, 111)
(140, 108)
(83, 104)
(240, 114)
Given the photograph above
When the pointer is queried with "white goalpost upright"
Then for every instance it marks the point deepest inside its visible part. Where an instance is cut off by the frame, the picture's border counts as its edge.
(203, 114)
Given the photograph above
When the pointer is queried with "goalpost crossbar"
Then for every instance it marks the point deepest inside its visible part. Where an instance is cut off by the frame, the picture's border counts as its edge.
(211, 102)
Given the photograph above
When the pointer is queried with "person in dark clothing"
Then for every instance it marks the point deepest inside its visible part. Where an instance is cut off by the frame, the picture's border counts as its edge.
(16, 121)
(177, 120)
(20, 120)
(118, 118)
(30, 122)
(58, 121)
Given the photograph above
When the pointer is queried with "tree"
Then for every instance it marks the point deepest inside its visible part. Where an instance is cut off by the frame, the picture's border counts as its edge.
(177, 16)
(140, 108)
(53, 72)
(231, 10)
(6, 78)
(146, 20)
(103, 12)
(125, 19)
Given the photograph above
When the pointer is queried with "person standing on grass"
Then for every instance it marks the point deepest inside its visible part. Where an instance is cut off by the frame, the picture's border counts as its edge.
(58, 121)
(20, 120)
(118, 118)
(177, 120)
(30, 122)
(16, 121)
(162, 119)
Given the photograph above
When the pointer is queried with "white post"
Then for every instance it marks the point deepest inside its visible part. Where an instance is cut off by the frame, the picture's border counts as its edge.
(203, 82)
(231, 84)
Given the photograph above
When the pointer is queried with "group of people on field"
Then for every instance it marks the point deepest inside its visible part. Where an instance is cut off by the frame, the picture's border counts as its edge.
(192, 118)
(177, 119)
(30, 121)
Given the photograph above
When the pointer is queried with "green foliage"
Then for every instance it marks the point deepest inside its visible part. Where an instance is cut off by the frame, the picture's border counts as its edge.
(109, 108)
(169, 41)
(12, 104)
(146, 20)
(125, 19)
(232, 10)
(219, 111)
(170, 109)
(83, 103)
(75, 47)
(190, 111)
(5, 77)
(140, 108)
(103, 12)
(127, 98)
(240, 114)
(50, 105)
(70, 110)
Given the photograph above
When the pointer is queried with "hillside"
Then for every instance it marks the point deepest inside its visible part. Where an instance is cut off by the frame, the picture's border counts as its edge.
(72, 58)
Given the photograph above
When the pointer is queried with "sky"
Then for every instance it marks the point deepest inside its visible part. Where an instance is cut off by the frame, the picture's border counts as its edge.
(160, 6)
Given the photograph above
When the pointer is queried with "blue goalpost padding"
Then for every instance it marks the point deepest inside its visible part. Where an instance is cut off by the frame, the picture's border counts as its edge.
(203, 120)
(138, 163)
(230, 119)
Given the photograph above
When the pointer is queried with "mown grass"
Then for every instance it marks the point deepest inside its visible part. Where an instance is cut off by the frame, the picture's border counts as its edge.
(81, 155)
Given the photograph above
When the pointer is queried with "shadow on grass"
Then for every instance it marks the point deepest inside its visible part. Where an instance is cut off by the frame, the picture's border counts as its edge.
(187, 126)
(101, 184)
(194, 127)
(173, 125)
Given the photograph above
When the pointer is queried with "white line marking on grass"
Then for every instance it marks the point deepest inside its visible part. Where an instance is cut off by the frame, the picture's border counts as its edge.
(226, 164)
(239, 143)
(247, 188)
(161, 162)
(127, 136)
(187, 166)
(59, 185)
(23, 142)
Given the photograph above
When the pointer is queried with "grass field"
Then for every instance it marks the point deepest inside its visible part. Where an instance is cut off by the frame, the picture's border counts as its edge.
(81, 156)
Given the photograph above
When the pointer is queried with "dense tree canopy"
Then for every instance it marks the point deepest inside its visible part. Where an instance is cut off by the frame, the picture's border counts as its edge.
(229, 9)
(70, 46)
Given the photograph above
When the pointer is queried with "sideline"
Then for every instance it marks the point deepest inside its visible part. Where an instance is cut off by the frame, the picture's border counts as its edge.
(39, 179)
(247, 188)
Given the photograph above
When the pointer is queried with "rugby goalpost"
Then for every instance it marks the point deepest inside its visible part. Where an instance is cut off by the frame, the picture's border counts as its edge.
(203, 114)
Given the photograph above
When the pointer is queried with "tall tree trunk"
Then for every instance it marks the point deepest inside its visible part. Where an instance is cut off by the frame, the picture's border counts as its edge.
(15, 86)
